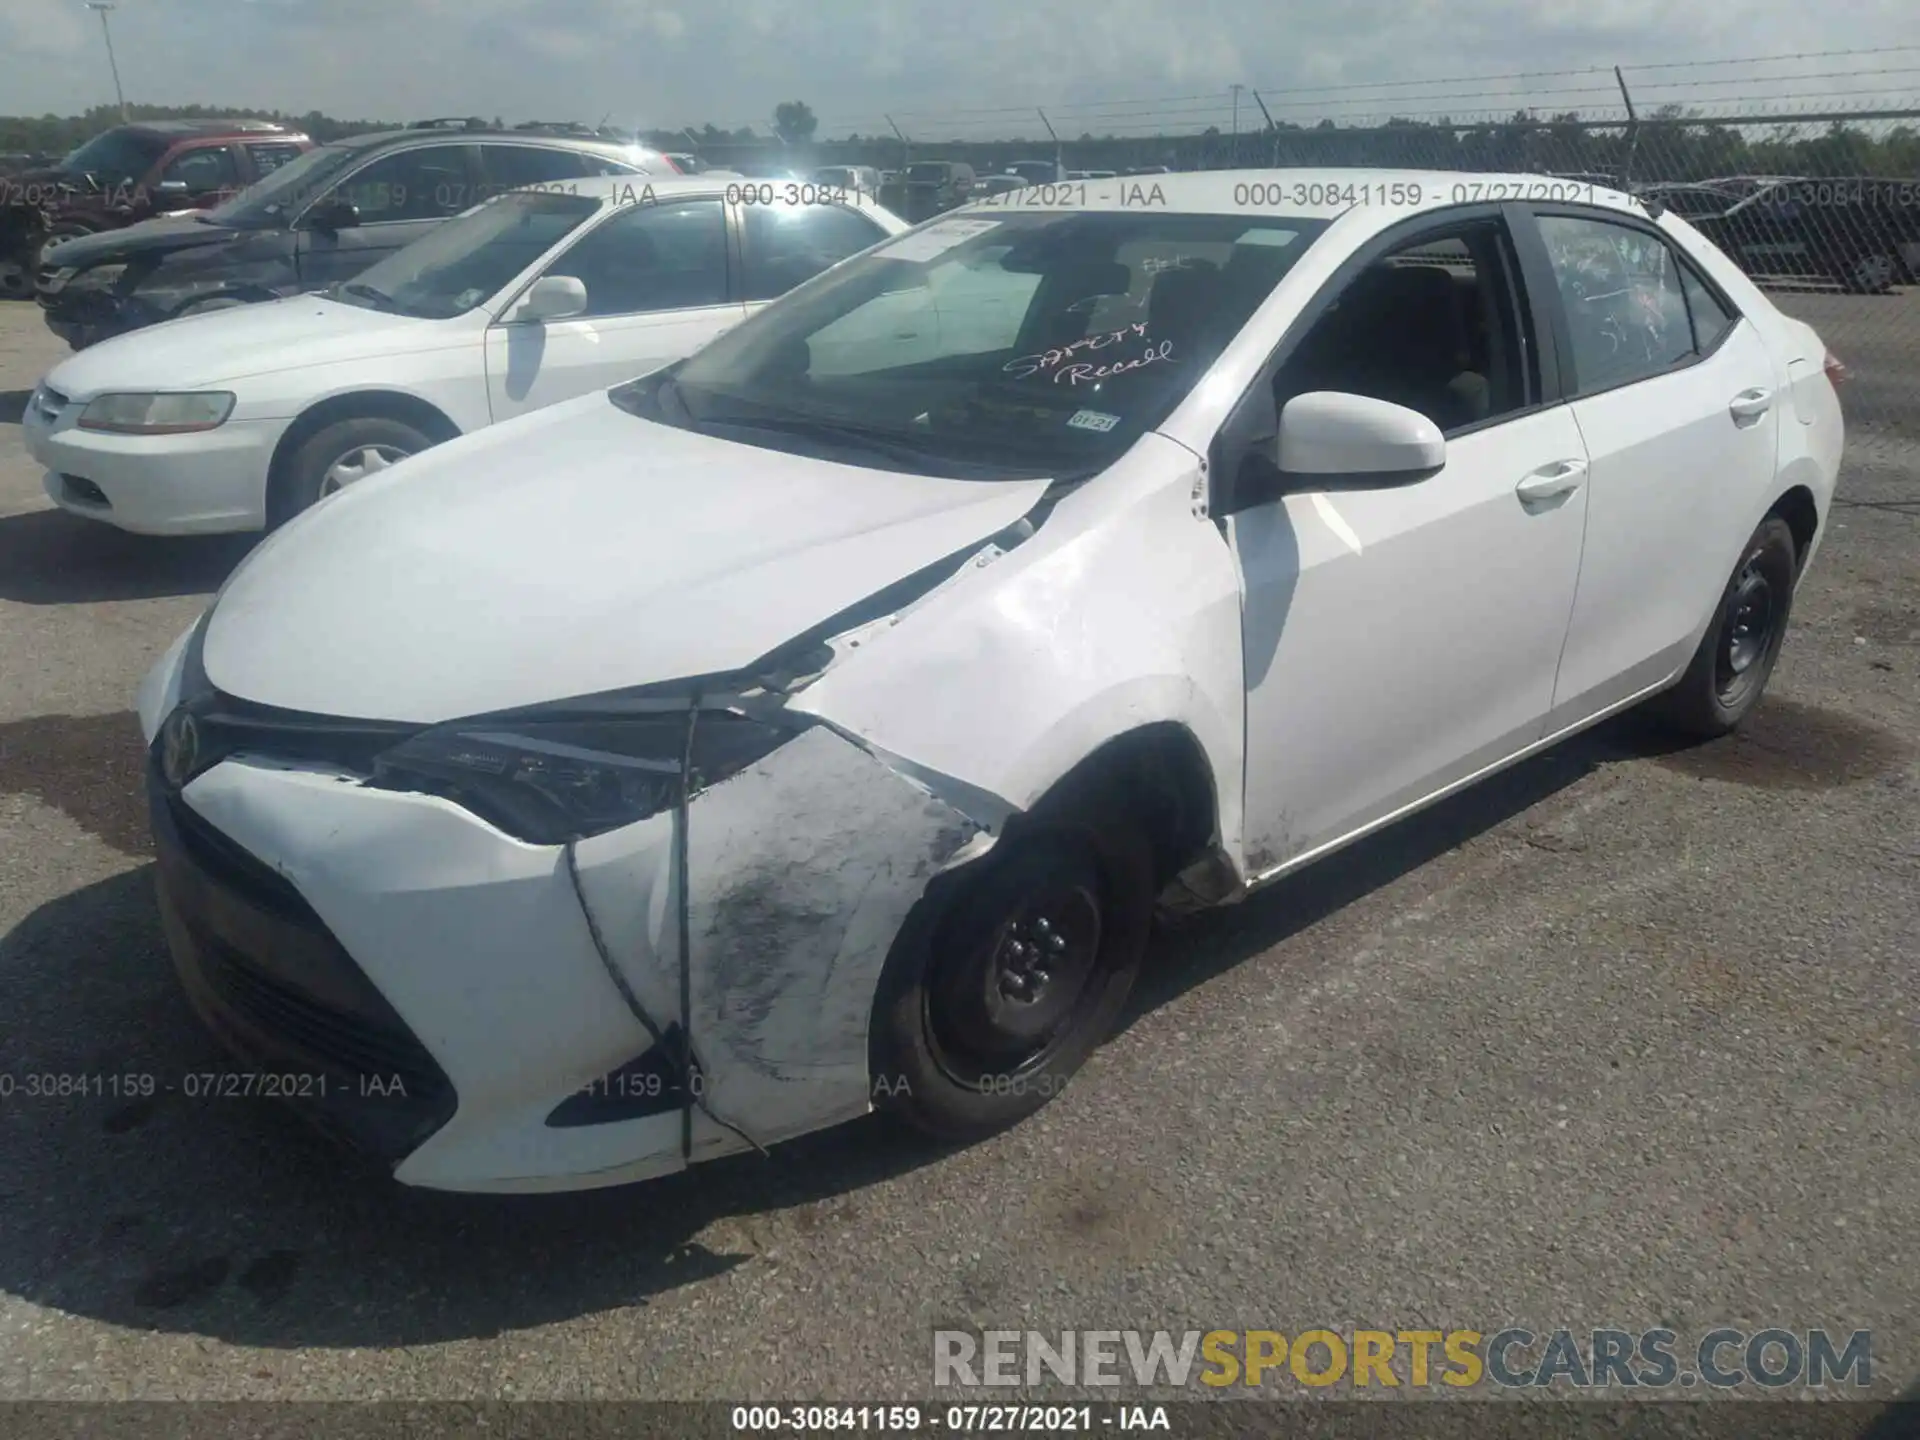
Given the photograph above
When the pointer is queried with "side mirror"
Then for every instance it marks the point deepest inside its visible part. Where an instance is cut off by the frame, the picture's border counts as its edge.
(333, 214)
(551, 297)
(1330, 440)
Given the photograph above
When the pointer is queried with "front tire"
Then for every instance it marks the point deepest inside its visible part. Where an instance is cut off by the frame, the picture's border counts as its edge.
(1729, 671)
(999, 990)
(1869, 274)
(336, 456)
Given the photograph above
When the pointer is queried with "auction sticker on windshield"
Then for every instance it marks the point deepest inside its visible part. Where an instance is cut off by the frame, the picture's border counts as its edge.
(1093, 420)
(936, 239)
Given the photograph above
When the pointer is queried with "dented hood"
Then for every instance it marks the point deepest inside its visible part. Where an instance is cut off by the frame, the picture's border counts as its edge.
(577, 550)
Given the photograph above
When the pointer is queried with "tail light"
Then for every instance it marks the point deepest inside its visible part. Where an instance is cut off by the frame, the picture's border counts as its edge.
(672, 169)
(1837, 372)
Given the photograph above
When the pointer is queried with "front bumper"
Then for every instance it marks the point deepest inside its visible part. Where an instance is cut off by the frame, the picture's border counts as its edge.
(275, 987)
(206, 483)
(476, 961)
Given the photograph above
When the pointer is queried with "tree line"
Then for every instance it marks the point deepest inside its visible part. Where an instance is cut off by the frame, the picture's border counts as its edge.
(1669, 144)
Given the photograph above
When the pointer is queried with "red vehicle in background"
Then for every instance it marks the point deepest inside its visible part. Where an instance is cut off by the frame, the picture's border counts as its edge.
(131, 173)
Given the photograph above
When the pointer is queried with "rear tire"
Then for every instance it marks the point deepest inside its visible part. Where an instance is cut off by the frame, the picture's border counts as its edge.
(336, 455)
(1000, 988)
(1729, 672)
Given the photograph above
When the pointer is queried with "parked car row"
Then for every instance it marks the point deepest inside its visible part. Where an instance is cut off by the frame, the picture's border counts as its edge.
(242, 419)
(668, 719)
(1863, 233)
(128, 174)
(322, 217)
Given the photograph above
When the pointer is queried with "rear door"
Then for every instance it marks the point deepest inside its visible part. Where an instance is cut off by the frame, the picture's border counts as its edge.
(401, 195)
(1677, 399)
(195, 177)
(659, 285)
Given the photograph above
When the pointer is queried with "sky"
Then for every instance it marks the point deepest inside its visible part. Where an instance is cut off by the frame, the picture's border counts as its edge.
(955, 68)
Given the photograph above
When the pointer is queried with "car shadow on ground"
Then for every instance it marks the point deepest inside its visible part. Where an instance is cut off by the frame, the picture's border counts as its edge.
(223, 1217)
(13, 406)
(48, 557)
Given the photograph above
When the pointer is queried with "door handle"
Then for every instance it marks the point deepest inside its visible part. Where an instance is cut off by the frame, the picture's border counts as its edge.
(1750, 404)
(1563, 477)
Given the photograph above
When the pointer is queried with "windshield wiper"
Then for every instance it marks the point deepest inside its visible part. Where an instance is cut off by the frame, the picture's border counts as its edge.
(378, 299)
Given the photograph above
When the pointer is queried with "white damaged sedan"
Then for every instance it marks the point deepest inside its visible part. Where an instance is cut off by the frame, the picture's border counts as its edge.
(817, 722)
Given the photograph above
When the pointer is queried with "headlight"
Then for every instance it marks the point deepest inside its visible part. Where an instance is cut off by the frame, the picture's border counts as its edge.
(98, 278)
(549, 782)
(157, 414)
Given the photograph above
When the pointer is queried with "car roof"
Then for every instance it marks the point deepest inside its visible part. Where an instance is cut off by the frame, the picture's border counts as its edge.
(1212, 192)
(545, 139)
(177, 129)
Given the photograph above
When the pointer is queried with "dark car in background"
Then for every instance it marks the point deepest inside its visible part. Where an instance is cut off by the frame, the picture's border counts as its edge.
(129, 174)
(927, 187)
(315, 222)
(1858, 231)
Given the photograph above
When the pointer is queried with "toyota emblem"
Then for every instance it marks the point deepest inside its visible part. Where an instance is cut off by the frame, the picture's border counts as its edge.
(179, 748)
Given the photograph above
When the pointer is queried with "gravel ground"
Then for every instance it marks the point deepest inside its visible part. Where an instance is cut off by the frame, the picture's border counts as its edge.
(1625, 1037)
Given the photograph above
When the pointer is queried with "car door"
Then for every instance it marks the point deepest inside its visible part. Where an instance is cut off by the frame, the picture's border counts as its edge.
(1397, 641)
(784, 245)
(195, 177)
(400, 194)
(1677, 400)
(658, 287)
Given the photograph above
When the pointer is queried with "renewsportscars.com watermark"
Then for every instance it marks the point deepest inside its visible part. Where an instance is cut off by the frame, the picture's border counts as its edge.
(1514, 1358)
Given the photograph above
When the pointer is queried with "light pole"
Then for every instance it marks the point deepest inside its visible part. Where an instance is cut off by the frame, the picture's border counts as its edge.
(1236, 123)
(102, 7)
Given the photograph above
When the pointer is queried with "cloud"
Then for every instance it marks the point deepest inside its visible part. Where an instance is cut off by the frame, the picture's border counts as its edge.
(968, 69)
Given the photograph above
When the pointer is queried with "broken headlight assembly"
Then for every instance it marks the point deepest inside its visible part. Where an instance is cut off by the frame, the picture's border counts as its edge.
(555, 781)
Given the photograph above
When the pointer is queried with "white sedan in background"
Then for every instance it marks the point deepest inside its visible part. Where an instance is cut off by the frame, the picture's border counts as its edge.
(239, 419)
(813, 723)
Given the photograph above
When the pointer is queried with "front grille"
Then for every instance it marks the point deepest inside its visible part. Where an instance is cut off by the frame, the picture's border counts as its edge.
(84, 492)
(236, 868)
(272, 982)
(347, 1042)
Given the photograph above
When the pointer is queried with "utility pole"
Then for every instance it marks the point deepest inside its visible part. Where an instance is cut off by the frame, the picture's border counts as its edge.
(1235, 152)
(102, 7)
(1059, 154)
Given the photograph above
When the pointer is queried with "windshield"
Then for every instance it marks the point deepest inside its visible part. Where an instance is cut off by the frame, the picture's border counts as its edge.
(283, 193)
(1036, 170)
(467, 260)
(1034, 344)
(927, 174)
(117, 156)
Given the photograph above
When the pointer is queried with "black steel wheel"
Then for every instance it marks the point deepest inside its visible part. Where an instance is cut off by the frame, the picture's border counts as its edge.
(1007, 978)
(1736, 655)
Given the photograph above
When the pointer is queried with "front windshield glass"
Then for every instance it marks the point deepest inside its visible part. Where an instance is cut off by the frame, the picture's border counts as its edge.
(1041, 343)
(284, 193)
(117, 157)
(457, 265)
(927, 174)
